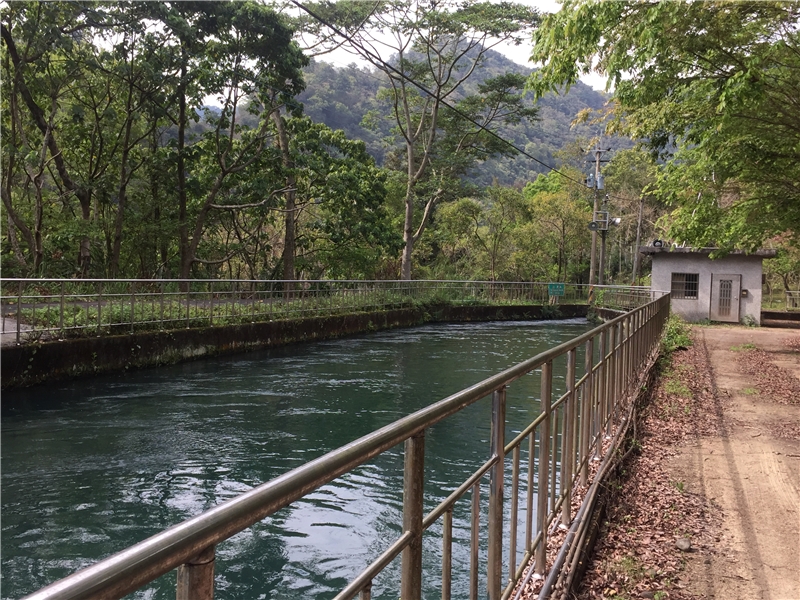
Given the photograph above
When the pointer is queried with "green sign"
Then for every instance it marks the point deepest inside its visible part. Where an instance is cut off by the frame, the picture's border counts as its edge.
(555, 289)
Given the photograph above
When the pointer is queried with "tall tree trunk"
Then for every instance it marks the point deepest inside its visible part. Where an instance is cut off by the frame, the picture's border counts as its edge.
(408, 221)
(122, 192)
(161, 240)
(183, 227)
(11, 233)
(636, 256)
(290, 234)
(14, 218)
(84, 196)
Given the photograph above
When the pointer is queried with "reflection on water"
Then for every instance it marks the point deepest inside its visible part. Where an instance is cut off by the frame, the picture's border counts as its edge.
(90, 467)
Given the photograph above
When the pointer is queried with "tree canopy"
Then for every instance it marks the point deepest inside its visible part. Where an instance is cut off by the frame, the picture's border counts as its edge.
(427, 50)
(711, 87)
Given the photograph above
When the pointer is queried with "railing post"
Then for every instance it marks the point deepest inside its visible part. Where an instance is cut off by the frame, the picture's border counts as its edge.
(611, 398)
(60, 316)
(544, 463)
(496, 476)
(568, 455)
(512, 537)
(19, 308)
(600, 390)
(366, 592)
(413, 481)
(196, 577)
(474, 548)
(586, 410)
(447, 554)
(211, 303)
(627, 355)
(623, 367)
(99, 307)
(636, 323)
(133, 303)
(161, 312)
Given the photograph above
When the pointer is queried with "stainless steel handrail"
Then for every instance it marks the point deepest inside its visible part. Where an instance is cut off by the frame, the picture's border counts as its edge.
(189, 545)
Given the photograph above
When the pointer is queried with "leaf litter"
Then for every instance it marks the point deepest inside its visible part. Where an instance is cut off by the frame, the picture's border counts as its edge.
(770, 380)
(651, 515)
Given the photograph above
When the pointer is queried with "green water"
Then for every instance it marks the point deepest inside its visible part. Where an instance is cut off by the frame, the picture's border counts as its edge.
(90, 467)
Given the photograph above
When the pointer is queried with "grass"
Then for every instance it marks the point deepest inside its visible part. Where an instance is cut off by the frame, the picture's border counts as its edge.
(743, 347)
(677, 388)
(629, 572)
(677, 335)
(749, 391)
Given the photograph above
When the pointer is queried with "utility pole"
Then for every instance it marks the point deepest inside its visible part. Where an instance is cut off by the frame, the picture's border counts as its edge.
(601, 272)
(597, 184)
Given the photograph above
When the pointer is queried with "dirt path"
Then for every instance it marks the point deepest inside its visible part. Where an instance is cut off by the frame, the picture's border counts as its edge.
(709, 504)
(750, 469)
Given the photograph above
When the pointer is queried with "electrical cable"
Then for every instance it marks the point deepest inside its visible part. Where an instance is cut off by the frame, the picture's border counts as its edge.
(374, 58)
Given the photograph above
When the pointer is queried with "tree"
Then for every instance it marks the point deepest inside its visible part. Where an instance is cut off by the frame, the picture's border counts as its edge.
(339, 220)
(101, 90)
(239, 51)
(478, 231)
(40, 67)
(712, 87)
(785, 267)
(559, 214)
(630, 176)
(439, 46)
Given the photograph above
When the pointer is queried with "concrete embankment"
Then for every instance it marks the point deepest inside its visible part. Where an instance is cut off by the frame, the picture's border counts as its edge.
(33, 363)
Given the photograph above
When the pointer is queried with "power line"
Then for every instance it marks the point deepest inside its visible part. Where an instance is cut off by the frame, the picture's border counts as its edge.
(377, 59)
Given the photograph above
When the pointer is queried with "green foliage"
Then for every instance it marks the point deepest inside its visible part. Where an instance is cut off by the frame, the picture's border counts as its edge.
(745, 346)
(113, 166)
(119, 168)
(678, 388)
(677, 335)
(347, 98)
(705, 86)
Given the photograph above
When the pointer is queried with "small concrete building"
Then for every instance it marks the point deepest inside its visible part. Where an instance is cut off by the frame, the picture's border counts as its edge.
(725, 289)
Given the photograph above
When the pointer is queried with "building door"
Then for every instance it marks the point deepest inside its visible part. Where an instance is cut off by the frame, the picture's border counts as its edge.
(725, 292)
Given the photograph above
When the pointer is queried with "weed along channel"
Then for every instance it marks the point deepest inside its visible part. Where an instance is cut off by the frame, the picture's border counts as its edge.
(287, 467)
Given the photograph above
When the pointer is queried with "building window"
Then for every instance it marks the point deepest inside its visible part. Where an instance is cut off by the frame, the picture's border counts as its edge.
(684, 286)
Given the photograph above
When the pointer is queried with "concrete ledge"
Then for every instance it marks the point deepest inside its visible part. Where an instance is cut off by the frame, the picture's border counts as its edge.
(34, 363)
(780, 315)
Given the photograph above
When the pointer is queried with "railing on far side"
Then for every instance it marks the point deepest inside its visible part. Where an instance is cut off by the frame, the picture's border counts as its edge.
(544, 463)
(38, 309)
(622, 297)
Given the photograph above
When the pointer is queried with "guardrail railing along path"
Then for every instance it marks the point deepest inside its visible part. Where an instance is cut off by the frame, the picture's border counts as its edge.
(543, 463)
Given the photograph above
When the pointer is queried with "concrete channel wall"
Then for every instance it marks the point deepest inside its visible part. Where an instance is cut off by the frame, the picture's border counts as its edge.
(34, 363)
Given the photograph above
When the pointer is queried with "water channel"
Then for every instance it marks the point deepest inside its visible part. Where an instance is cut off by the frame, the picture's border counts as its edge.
(92, 466)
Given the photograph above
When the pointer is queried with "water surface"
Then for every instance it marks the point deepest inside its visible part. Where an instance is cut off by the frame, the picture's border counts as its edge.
(92, 466)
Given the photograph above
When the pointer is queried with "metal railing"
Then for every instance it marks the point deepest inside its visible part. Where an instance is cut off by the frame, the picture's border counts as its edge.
(36, 309)
(792, 300)
(543, 463)
(622, 297)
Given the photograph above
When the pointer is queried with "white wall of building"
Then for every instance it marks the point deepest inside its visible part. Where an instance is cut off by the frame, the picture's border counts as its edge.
(693, 310)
